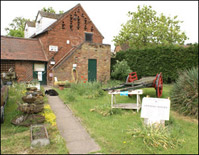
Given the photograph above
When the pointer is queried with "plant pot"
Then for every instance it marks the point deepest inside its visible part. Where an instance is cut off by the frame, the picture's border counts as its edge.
(26, 99)
(30, 108)
(61, 87)
(28, 119)
(31, 88)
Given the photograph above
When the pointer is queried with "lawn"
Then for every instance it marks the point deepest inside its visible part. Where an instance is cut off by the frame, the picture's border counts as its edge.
(16, 139)
(112, 129)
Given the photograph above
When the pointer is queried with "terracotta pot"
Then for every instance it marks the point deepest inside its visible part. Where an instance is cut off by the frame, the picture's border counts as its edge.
(61, 87)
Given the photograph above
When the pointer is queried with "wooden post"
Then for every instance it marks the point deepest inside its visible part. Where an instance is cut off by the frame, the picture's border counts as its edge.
(111, 101)
(137, 102)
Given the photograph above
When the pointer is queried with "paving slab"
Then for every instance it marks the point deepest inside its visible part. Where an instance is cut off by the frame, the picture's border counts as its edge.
(78, 141)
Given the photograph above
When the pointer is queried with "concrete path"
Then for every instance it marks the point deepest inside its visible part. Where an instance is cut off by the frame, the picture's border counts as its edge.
(78, 141)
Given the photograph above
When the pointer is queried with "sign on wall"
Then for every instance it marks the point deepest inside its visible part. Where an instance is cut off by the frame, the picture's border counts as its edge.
(39, 76)
(53, 48)
(39, 67)
(155, 108)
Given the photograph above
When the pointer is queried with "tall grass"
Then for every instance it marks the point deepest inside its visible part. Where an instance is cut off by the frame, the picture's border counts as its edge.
(156, 137)
(90, 90)
(184, 95)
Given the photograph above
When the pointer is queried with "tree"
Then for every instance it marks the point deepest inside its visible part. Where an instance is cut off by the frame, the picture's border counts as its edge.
(61, 12)
(145, 29)
(16, 28)
(121, 70)
(49, 10)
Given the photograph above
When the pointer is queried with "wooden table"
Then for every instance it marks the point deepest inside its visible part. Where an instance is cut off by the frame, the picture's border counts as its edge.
(126, 93)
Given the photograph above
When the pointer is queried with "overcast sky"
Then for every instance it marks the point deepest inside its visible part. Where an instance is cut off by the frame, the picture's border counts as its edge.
(107, 15)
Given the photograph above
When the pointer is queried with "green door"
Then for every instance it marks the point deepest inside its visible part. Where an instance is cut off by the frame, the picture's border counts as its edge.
(92, 69)
(40, 69)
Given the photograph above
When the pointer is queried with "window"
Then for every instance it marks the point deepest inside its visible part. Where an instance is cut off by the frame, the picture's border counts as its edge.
(89, 37)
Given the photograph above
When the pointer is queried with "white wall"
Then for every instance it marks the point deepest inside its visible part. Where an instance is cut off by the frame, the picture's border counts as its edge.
(44, 23)
(30, 31)
(39, 27)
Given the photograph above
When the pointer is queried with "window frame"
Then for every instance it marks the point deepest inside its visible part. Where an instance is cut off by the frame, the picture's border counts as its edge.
(88, 33)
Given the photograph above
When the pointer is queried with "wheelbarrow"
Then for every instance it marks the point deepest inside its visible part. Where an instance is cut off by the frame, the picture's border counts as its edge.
(133, 83)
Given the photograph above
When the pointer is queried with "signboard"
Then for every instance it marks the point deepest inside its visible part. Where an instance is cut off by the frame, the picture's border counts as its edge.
(39, 76)
(53, 48)
(39, 67)
(155, 108)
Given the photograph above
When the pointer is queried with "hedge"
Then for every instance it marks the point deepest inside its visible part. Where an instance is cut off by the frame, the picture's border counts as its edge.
(166, 59)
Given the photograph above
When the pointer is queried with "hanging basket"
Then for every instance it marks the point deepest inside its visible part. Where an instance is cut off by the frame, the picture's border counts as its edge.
(27, 120)
(26, 99)
(30, 108)
(31, 88)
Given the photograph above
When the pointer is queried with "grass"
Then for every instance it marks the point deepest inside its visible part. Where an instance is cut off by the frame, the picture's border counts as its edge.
(111, 129)
(16, 139)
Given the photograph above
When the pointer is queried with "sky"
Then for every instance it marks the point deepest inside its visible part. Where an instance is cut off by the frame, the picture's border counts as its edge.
(107, 15)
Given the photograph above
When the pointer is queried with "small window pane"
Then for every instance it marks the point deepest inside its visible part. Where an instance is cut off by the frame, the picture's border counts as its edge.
(89, 37)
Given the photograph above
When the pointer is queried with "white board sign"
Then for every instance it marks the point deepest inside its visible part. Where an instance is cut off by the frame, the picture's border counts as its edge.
(39, 76)
(53, 48)
(155, 108)
(39, 67)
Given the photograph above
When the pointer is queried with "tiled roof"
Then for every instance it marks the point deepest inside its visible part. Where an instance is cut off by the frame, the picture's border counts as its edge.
(30, 24)
(13, 48)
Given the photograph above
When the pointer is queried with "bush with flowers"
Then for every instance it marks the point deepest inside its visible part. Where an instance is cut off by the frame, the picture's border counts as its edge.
(49, 115)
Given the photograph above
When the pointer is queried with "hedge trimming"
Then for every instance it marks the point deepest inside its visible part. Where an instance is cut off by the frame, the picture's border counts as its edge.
(166, 59)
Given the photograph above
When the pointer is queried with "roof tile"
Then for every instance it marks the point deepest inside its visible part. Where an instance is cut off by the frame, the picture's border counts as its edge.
(13, 48)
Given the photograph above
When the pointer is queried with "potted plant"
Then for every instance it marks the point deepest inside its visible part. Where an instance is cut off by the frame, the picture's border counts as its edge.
(61, 84)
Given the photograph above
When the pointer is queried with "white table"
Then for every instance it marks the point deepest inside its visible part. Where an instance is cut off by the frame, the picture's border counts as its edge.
(137, 105)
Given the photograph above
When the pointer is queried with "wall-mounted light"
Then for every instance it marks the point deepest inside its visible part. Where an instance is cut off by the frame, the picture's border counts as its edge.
(52, 61)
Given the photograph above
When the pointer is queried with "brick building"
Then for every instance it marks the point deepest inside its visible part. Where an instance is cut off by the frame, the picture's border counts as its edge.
(71, 40)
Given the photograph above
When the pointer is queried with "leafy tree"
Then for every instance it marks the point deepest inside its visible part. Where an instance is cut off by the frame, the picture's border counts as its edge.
(16, 28)
(49, 10)
(61, 12)
(145, 29)
(121, 70)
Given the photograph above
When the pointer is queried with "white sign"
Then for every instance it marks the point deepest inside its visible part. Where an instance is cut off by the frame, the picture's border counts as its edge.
(53, 48)
(39, 76)
(39, 67)
(155, 108)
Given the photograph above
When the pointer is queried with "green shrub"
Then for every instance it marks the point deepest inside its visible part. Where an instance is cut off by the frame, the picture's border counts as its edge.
(121, 70)
(184, 95)
(165, 59)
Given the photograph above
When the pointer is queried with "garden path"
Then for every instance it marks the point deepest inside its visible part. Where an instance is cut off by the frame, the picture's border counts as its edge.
(78, 141)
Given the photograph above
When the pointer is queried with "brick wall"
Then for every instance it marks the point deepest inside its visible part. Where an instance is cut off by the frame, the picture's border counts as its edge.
(59, 36)
(87, 51)
(24, 70)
